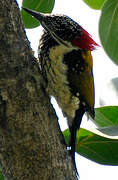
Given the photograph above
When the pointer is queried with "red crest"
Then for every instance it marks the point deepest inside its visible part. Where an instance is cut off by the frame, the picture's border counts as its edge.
(85, 41)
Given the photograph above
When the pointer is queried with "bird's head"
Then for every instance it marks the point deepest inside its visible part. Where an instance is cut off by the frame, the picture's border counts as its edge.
(64, 30)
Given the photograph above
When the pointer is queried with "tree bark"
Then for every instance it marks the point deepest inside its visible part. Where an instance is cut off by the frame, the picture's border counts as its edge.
(32, 146)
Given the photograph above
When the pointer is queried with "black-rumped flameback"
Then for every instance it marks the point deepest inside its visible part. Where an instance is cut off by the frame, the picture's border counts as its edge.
(67, 67)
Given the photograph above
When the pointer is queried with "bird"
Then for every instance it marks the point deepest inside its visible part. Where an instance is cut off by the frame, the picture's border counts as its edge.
(67, 67)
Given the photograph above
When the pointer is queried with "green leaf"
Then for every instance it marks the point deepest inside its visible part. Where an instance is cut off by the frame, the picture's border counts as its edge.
(106, 116)
(95, 4)
(66, 134)
(44, 6)
(1, 176)
(108, 29)
(99, 149)
(110, 130)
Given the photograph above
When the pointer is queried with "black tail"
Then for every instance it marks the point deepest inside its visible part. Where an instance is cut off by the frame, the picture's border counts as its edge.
(73, 130)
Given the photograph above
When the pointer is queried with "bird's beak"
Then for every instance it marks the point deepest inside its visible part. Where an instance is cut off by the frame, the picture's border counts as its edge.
(44, 22)
(39, 16)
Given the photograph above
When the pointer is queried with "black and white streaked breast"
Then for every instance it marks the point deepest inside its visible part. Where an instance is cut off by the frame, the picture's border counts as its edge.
(55, 71)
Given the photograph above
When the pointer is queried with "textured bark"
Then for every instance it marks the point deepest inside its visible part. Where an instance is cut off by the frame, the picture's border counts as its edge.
(31, 144)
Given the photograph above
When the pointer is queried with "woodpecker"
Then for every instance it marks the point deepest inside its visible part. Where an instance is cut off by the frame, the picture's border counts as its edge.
(67, 67)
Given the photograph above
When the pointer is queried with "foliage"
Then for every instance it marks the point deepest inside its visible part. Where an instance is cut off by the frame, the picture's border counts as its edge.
(93, 145)
(108, 29)
(108, 25)
(95, 4)
(106, 116)
(44, 6)
(1, 176)
(96, 146)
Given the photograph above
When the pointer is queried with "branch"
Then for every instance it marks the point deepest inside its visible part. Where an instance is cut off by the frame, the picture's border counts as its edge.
(32, 145)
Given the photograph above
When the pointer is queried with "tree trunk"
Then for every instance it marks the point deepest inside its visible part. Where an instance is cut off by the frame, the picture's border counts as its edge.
(32, 146)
